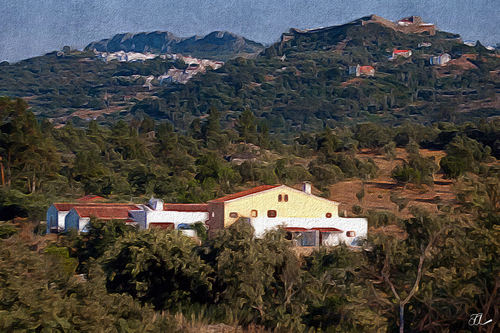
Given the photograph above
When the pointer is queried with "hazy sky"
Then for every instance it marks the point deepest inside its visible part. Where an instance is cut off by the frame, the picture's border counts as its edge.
(32, 27)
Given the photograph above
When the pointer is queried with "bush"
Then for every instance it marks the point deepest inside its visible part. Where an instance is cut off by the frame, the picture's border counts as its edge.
(41, 294)
(256, 278)
(157, 267)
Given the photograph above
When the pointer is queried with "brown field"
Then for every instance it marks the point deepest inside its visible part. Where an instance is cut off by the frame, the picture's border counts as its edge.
(378, 191)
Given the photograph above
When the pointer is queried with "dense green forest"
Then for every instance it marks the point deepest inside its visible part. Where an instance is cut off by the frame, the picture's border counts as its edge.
(42, 164)
(444, 270)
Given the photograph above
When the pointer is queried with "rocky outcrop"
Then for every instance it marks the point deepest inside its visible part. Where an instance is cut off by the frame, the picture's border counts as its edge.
(218, 45)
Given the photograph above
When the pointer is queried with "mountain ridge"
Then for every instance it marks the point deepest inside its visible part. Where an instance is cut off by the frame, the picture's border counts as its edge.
(217, 45)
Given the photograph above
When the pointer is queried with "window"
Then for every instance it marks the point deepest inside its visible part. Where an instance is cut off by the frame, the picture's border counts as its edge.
(253, 213)
(286, 197)
(233, 214)
(271, 213)
(328, 215)
(308, 238)
(280, 198)
(351, 234)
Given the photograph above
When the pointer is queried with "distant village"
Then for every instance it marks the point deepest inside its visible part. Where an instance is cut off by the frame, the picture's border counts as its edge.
(173, 75)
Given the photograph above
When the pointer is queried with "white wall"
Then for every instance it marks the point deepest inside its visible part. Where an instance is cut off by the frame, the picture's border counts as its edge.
(358, 225)
(83, 222)
(62, 219)
(173, 217)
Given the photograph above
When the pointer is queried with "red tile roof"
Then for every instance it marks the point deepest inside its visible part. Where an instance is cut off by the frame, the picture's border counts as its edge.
(245, 193)
(186, 207)
(119, 212)
(328, 230)
(90, 198)
(68, 206)
(400, 51)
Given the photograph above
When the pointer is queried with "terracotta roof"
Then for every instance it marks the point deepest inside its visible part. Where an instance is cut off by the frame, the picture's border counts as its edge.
(299, 229)
(400, 51)
(245, 193)
(364, 69)
(186, 207)
(90, 198)
(295, 229)
(118, 212)
(68, 206)
(328, 230)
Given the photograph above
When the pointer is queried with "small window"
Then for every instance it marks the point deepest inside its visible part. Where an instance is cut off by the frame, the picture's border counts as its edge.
(286, 197)
(280, 198)
(253, 213)
(233, 214)
(271, 213)
(351, 234)
(328, 215)
(308, 238)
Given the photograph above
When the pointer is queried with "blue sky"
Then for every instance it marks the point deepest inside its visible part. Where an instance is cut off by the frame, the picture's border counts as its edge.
(32, 27)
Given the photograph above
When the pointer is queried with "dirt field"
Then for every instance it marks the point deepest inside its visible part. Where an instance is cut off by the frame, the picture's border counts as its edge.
(378, 191)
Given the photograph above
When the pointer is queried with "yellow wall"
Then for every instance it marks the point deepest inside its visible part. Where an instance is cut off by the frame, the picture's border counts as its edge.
(299, 204)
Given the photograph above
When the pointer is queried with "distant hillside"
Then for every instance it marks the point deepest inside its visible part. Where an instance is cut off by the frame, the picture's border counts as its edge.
(369, 70)
(309, 79)
(376, 35)
(218, 45)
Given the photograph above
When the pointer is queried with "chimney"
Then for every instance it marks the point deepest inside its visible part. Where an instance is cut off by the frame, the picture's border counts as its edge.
(306, 187)
(156, 204)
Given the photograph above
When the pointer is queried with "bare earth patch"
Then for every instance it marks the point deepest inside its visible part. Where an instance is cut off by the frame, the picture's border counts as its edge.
(378, 191)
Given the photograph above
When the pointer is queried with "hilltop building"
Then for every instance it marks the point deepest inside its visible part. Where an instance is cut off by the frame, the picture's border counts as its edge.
(311, 219)
(414, 24)
(362, 70)
(442, 59)
(400, 53)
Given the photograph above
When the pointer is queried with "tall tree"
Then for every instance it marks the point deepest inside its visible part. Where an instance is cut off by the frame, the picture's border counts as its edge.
(247, 126)
(399, 266)
(27, 152)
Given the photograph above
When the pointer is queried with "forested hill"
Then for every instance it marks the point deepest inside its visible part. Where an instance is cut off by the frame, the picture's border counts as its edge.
(305, 81)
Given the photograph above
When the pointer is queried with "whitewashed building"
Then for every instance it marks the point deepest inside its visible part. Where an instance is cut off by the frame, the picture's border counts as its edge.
(310, 219)
(157, 214)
